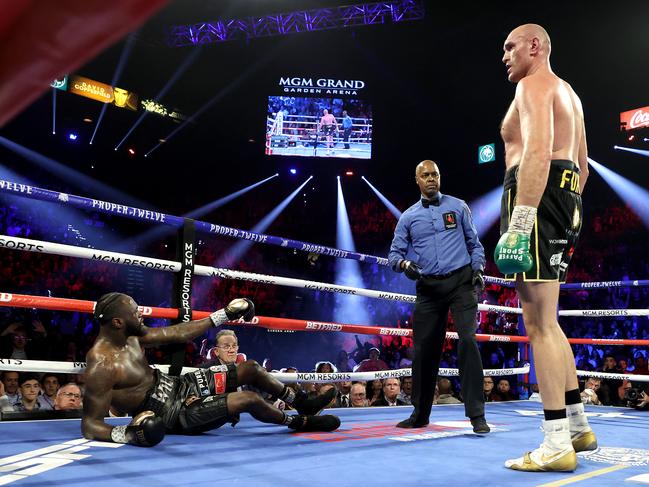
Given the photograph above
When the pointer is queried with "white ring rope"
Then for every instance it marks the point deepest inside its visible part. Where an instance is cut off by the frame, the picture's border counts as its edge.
(321, 378)
(39, 246)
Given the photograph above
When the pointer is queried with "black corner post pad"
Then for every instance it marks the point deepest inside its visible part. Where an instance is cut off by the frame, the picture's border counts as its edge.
(182, 300)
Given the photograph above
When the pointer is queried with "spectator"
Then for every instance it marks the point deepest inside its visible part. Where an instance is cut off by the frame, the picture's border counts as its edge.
(49, 388)
(325, 368)
(344, 363)
(373, 363)
(609, 387)
(445, 387)
(343, 399)
(29, 389)
(15, 343)
(503, 391)
(374, 391)
(391, 390)
(535, 394)
(640, 365)
(406, 390)
(68, 397)
(359, 396)
(5, 404)
(225, 351)
(589, 394)
(11, 390)
(488, 389)
(619, 399)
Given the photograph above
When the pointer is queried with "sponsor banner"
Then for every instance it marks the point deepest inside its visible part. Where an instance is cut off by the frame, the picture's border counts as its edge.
(321, 86)
(60, 83)
(635, 119)
(125, 99)
(91, 89)
(157, 108)
(486, 153)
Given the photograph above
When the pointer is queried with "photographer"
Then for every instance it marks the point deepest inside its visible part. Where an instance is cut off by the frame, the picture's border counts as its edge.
(631, 397)
(643, 401)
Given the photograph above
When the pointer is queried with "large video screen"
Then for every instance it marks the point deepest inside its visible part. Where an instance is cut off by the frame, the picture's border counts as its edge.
(319, 127)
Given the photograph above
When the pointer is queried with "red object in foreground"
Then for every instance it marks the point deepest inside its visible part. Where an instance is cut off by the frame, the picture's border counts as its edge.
(42, 41)
(63, 304)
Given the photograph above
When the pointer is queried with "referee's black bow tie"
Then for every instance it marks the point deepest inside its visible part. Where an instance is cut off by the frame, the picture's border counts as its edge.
(426, 203)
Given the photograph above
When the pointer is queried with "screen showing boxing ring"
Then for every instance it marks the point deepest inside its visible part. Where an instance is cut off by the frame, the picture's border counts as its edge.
(319, 127)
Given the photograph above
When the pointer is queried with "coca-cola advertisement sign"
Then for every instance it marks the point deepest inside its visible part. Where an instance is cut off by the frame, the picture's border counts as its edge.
(635, 119)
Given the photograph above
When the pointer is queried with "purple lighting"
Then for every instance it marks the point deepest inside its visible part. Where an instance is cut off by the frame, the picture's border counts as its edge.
(72, 136)
(293, 171)
(294, 22)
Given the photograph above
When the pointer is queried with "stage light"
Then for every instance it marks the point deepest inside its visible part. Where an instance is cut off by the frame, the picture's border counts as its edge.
(635, 151)
(87, 120)
(293, 171)
(347, 272)
(131, 151)
(631, 138)
(388, 204)
(635, 196)
(349, 173)
(233, 255)
(159, 232)
(72, 136)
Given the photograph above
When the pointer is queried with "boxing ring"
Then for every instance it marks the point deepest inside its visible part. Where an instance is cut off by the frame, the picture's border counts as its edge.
(367, 446)
(301, 135)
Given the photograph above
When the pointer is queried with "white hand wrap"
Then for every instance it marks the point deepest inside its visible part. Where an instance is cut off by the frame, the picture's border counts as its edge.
(219, 317)
(522, 219)
(118, 434)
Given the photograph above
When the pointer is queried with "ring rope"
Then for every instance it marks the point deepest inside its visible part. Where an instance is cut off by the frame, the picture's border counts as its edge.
(315, 377)
(39, 246)
(66, 304)
(34, 192)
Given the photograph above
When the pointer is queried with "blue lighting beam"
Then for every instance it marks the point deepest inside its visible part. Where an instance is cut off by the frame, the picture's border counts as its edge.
(393, 209)
(160, 231)
(635, 151)
(234, 253)
(486, 210)
(348, 309)
(126, 53)
(635, 196)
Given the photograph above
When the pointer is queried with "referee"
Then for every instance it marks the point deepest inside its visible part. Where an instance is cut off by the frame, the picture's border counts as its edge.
(448, 267)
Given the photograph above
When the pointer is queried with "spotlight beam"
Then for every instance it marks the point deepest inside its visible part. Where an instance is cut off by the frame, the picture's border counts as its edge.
(635, 151)
(221, 94)
(348, 272)
(486, 210)
(156, 233)
(234, 253)
(126, 53)
(187, 62)
(72, 177)
(53, 111)
(635, 196)
(393, 209)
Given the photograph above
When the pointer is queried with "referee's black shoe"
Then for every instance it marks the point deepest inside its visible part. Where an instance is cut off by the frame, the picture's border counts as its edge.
(412, 423)
(480, 425)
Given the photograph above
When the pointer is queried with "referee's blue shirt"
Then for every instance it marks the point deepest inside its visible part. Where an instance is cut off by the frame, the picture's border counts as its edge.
(443, 237)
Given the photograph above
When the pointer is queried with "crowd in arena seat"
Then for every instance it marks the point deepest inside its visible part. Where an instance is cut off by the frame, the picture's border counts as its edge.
(61, 336)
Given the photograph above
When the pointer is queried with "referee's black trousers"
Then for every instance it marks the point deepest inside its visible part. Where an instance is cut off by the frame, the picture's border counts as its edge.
(434, 298)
